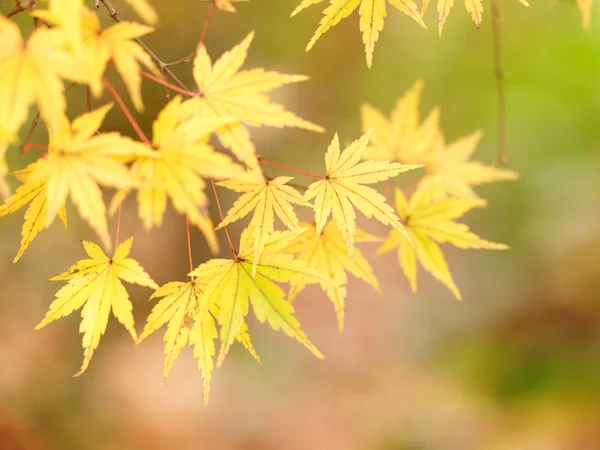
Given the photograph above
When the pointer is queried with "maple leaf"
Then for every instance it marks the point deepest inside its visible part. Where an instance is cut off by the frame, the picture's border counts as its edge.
(175, 170)
(372, 14)
(227, 5)
(78, 161)
(401, 138)
(144, 10)
(231, 284)
(473, 7)
(429, 222)
(35, 217)
(585, 8)
(453, 174)
(342, 189)
(227, 91)
(328, 254)
(178, 307)
(266, 198)
(95, 284)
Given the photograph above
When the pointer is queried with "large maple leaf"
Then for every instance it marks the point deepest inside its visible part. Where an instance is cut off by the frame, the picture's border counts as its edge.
(231, 284)
(402, 138)
(328, 254)
(95, 284)
(78, 161)
(343, 188)
(429, 222)
(225, 90)
(372, 14)
(266, 198)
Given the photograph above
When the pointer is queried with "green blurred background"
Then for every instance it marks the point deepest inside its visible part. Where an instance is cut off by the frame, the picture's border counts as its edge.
(515, 366)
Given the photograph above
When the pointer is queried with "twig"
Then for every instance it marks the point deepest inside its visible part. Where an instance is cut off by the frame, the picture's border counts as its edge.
(233, 252)
(183, 60)
(128, 115)
(499, 74)
(19, 7)
(205, 26)
(34, 145)
(291, 169)
(112, 12)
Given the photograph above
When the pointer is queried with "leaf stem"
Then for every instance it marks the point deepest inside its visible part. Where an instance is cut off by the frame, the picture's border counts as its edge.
(118, 225)
(167, 84)
(499, 74)
(261, 160)
(189, 242)
(233, 252)
(211, 6)
(128, 115)
(34, 145)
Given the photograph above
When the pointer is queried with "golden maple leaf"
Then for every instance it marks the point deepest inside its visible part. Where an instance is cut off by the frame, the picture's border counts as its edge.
(266, 198)
(231, 284)
(175, 169)
(144, 10)
(328, 254)
(227, 91)
(178, 307)
(227, 5)
(429, 222)
(453, 174)
(95, 284)
(372, 14)
(401, 138)
(35, 216)
(343, 188)
(78, 161)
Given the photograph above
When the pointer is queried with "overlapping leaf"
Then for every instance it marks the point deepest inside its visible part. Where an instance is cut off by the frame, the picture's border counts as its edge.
(429, 222)
(266, 198)
(328, 254)
(343, 188)
(179, 307)
(175, 169)
(453, 174)
(227, 91)
(372, 14)
(95, 284)
(230, 285)
(402, 138)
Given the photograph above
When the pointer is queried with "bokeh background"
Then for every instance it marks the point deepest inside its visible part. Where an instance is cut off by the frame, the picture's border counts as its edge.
(515, 366)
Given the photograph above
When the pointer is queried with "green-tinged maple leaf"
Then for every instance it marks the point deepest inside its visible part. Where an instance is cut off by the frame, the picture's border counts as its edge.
(95, 284)
(175, 170)
(453, 174)
(35, 217)
(343, 188)
(30, 73)
(227, 5)
(429, 222)
(328, 254)
(473, 7)
(266, 198)
(227, 91)
(178, 307)
(230, 284)
(78, 161)
(401, 138)
(372, 14)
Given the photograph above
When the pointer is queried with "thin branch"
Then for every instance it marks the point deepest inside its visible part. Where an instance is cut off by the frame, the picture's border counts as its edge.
(19, 7)
(183, 60)
(169, 85)
(233, 252)
(189, 242)
(88, 98)
(128, 115)
(112, 12)
(34, 145)
(291, 169)
(118, 225)
(211, 6)
(499, 74)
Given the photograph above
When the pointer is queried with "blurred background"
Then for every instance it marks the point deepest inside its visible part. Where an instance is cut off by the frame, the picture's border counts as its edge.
(515, 366)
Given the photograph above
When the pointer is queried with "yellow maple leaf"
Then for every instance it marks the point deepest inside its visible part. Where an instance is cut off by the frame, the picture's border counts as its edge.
(401, 138)
(473, 7)
(231, 284)
(328, 254)
(144, 10)
(225, 90)
(95, 284)
(175, 169)
(585, 8)
(178, 307)
(372, 14)
(266, 198)
(453, 174)
(35, 217)
(227, 5)
(78, 161)
(429, 222)
(343, 188)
